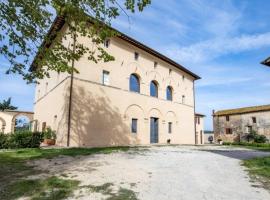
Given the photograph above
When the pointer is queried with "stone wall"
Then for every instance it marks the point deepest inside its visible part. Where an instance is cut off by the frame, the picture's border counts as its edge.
(241, 125)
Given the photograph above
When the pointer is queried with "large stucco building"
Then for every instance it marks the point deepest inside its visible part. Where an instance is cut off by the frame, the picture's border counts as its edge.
(235, 124)
(142, 97)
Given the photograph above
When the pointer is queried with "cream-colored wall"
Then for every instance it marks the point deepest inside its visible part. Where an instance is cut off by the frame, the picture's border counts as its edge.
(101, 115)
(6, 120)
(52, 108)
(124, 65)
(199, 129)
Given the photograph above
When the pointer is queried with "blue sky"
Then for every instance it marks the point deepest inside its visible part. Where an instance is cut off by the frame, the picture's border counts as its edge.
(222, 41)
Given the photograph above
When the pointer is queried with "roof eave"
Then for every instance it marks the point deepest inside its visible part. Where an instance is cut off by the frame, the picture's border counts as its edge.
(266, 62)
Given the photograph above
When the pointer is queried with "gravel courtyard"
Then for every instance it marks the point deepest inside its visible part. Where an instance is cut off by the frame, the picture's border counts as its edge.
(162, 173)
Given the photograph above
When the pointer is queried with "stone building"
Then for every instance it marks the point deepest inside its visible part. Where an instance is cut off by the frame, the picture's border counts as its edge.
(142, 97)
(235, 124)
(199, 121)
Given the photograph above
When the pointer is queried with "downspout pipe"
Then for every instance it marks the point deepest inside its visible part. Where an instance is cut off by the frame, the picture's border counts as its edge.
(194, 111)
(71, 92)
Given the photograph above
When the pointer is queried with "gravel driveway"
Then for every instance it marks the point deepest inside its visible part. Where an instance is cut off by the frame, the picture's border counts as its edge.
(163, 173)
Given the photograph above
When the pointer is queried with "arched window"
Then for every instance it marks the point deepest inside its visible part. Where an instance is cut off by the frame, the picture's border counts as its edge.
(153, 89)
(134, 83)
(169, 93)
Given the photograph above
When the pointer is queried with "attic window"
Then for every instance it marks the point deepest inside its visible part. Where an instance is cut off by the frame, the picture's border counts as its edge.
(183, 77)
(107, 43)
(155, 65)
(170, 71)
(136, 56)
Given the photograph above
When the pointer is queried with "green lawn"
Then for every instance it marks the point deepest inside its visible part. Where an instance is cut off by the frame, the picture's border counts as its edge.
(13, 172)
(255, 146)
(259, 168)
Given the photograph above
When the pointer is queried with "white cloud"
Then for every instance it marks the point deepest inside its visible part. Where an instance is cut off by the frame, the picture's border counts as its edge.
(216, 81)
(213, 48)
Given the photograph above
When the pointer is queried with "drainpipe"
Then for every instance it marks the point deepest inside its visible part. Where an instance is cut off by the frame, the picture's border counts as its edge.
(194, 111)
(71, 91)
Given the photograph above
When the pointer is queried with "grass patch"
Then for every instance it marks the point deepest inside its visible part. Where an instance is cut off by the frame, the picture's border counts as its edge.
(106, 189)
(47, 189)
(255, 146)
(259, 168)
(13, 162)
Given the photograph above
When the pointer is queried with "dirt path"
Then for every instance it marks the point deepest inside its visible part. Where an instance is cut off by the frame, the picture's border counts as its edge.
(159, 173)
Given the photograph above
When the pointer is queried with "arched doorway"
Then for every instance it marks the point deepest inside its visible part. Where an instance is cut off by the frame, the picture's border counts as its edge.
(21, 122)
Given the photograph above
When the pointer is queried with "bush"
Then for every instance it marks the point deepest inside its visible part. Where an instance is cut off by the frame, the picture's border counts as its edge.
(256, 138)
(21, 139)
(228, 143)
(260, 139)
(4, 141)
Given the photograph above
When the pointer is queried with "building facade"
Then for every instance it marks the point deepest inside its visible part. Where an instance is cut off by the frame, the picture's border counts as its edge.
(233, 125)
(142, 97)
(199, 121)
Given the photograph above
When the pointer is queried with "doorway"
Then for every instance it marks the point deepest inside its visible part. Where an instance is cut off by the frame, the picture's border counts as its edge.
(153, 130)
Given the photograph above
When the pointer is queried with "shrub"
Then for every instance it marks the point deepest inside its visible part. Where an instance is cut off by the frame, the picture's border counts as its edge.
(4, 141)
(227, 143)
(260, 139)
(21, 139)
(253, 136)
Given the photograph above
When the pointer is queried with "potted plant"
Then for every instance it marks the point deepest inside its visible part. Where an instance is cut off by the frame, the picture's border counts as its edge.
(49, 136)
(220, 141)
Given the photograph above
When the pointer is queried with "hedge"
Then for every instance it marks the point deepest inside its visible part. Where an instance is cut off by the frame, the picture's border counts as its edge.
(21, 139)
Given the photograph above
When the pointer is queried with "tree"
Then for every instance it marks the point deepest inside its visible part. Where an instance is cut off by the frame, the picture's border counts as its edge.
(6, 105)
(24, 26)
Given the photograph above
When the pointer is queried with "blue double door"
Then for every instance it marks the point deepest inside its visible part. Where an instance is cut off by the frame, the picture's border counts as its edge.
(153, 130)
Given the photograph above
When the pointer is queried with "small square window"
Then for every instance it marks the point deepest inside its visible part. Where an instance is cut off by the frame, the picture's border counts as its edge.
(136, 56)
(228, 131)
(254, 120)
(155, 65)
(170, 127)
(227, 118)
(107, 43)
(249, 129)
(134, 124)
(106, 78)
(46, 87)
(183, 99)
